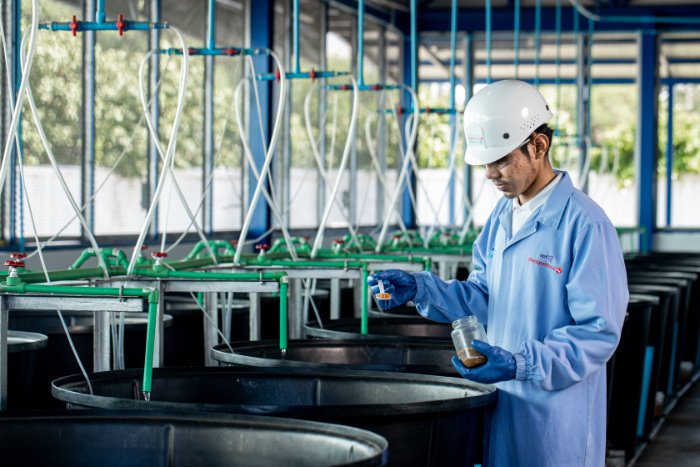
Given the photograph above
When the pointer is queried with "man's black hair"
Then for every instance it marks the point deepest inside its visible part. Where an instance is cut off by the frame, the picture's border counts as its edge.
(543, 129)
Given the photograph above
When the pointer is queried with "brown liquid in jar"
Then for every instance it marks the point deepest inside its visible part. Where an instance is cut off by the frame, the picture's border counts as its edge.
(471, 359)
(383, 296)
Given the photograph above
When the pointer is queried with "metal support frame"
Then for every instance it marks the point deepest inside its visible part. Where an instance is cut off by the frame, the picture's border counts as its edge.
(646, 138)
(583, 107)
(17, 302)
(11, 15)
(208, 146)
(88, 130)
(154, 76)
(381, 126)
(407, 214)
(260, 16)
(669, 157)
(284, 163)
(209, 288)
(468, 92)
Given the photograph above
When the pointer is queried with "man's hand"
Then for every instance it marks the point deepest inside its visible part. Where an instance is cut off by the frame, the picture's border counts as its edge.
(500, 365)
(401, 285)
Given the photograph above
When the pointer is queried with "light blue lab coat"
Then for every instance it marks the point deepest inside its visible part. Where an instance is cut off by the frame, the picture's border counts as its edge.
(555, 296)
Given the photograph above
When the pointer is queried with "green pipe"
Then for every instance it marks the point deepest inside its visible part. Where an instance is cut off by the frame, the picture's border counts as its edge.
(364, 319)
(283, 314)
(150, 346)
(214, 245)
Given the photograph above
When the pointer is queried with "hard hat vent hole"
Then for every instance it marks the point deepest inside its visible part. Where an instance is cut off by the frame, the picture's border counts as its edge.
(506, 136)
(531, 123)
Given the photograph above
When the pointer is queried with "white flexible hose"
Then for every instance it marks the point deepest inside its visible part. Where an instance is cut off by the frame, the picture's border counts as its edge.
(24, 83)
(450, 171)
(59, 175)
(403, 175)
(319, 160)
(172, 145)
(378, 170)
(216, 162)
(318, 241)
(266, 165)
(269, 195)
(170, 152)
(104, 181)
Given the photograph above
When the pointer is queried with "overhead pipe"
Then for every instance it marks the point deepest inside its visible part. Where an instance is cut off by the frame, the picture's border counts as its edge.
(453, 50)
(120, 25)
(100, 14)
(634, 19)
(557, 78)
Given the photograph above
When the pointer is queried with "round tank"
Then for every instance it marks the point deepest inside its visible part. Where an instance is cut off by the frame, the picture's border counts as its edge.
(58, 359)
(430, 358)
(398, 329)
(427, 420)
(186, 347)
(23, 350)
(147, 438)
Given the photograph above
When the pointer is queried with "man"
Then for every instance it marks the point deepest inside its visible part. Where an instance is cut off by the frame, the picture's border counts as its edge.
(549, 283)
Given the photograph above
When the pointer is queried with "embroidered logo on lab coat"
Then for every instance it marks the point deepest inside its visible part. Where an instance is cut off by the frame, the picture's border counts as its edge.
(545, 264)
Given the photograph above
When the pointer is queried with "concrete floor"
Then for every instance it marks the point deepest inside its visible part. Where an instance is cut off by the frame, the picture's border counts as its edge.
(678, 441)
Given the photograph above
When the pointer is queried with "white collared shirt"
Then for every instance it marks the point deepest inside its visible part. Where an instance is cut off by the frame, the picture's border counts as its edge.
(522, 213)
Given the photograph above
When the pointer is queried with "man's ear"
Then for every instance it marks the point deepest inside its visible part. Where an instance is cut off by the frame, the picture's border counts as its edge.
(541, 145)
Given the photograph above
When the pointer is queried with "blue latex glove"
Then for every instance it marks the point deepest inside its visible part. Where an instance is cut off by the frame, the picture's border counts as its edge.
(499, 367)
(401, 285)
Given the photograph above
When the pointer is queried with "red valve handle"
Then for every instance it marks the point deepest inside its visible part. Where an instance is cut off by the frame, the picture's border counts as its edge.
(376, 87)
(144, 247)
(159, 254)
(396, 236)
(18, 255)
(339, 242)
(277, 75)
(230, 52)
(427, 110)
(399, 111)
(74, 26)
(121, 24)
(14, 264)
(263, 246)
(233, 242)
(306, 237)
(312, 75)
(192, 51)
(344, 87)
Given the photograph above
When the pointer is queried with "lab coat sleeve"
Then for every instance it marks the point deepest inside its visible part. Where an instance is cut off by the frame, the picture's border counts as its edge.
(597, 300)
(447, 301)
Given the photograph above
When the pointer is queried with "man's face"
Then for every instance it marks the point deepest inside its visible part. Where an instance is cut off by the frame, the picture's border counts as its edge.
(514, 173)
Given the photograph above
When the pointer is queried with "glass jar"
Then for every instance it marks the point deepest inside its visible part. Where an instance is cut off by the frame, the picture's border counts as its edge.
(465, 331)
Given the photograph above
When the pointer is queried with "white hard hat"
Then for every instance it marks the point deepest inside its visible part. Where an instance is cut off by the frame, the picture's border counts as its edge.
(500, 117)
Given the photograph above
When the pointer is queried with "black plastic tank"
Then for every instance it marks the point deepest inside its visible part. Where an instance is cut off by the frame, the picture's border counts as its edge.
(185, 345)
(429, 358)
(679, 328)
(628, 383)
(149, 438)
(24, 349)
(427, 420)
(661, 327)
(399, 329)
(58, 359)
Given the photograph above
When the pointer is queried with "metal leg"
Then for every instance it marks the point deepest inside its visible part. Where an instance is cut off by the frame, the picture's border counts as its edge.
(357, 295)
(3, 353)
(102, 349)
(254, 317)
(335, 298)
(295, 304)
(211, 337)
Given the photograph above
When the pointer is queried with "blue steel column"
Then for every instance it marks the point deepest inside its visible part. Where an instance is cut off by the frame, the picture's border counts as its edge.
(646, 148)
(453, 117)
(88, 137)
(407, 213)
(261, 37)
(468, 92)
(208, 150)
(154, 76)
(669, 155)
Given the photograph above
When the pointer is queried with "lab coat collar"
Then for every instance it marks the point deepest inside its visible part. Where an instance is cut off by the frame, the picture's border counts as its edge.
(553, 209)
(550, 213)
